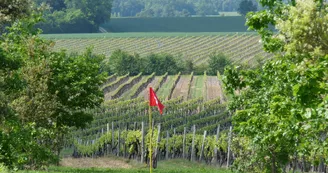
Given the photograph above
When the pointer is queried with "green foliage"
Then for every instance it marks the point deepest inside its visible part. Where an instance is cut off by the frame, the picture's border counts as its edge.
(124, 63)
(217, 62)
(75, 16)
(75, 80)
(97, 12)
(12, 10)
(67, 21)
(280, 107)
(3, 168)
(167, 8)
(42, 94)
(246, 6)
(162, 63)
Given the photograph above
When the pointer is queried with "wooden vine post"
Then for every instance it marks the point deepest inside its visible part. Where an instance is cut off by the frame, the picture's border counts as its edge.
(118, 141)
(158, 140)
(113, 139)
(184, 143)
(103, 145)
(167, 145)
(202, 150)
(193, 144)
(142, 142)
(229, 146)
(150, 142)
(107, 149)
(215, 158)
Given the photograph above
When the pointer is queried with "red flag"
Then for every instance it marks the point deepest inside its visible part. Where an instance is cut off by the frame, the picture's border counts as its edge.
(153, 101)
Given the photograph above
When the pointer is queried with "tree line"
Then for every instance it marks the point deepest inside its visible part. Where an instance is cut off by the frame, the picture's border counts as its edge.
(168, 8)
(77, 16)
(121, 63)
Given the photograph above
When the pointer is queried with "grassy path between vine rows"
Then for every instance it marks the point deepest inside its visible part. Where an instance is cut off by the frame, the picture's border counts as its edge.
(164, 92)
(119, 165)
(197, 87)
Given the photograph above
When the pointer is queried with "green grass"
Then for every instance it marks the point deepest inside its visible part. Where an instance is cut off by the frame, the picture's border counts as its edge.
(197, 87)
(164, 91)
(170, 166)
(138, 35)
(127, 95)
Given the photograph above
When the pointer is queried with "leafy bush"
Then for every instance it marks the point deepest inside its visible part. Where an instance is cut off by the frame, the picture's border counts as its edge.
(217, 62)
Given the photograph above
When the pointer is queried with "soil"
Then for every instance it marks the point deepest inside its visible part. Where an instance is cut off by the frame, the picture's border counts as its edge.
(181, 88)
(144, 93)
(214, 89)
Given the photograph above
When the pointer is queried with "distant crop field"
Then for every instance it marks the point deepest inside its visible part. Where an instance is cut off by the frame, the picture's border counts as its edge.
(177, 24)
(138, 35)
(240, 47)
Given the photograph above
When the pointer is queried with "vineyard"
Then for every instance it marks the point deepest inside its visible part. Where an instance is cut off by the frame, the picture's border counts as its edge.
(195, 113)
(120, 128)
(240, 47)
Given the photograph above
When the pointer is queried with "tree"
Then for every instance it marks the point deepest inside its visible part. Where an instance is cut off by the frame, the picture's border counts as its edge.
(128, 7)
(12, 10)
(55, 5)
(281, 106)
(246, 6)
(123, 63)
(43, 93)
(162, 63)
(217, 62)
(97, 12)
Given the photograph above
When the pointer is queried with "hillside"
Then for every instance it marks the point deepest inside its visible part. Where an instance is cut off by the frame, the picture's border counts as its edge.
(240, 47)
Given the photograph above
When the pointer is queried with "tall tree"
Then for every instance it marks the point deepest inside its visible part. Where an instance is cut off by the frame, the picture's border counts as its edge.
(246, 6)
(281, 106)
(43, 93)
(11, 10)
(96, 11)
(217, 62)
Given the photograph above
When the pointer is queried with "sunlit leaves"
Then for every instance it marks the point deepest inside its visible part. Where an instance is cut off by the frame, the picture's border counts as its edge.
(282, 105)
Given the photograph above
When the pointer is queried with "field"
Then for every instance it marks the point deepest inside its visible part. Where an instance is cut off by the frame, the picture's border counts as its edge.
(193, 105)
(195, 122)
(239, 47)
(177, 24)
(173, 87)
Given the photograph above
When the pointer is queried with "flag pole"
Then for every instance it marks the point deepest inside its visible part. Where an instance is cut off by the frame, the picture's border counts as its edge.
(150, 142)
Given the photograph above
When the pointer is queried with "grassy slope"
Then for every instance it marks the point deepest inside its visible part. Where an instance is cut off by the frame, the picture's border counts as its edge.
(170, 166)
